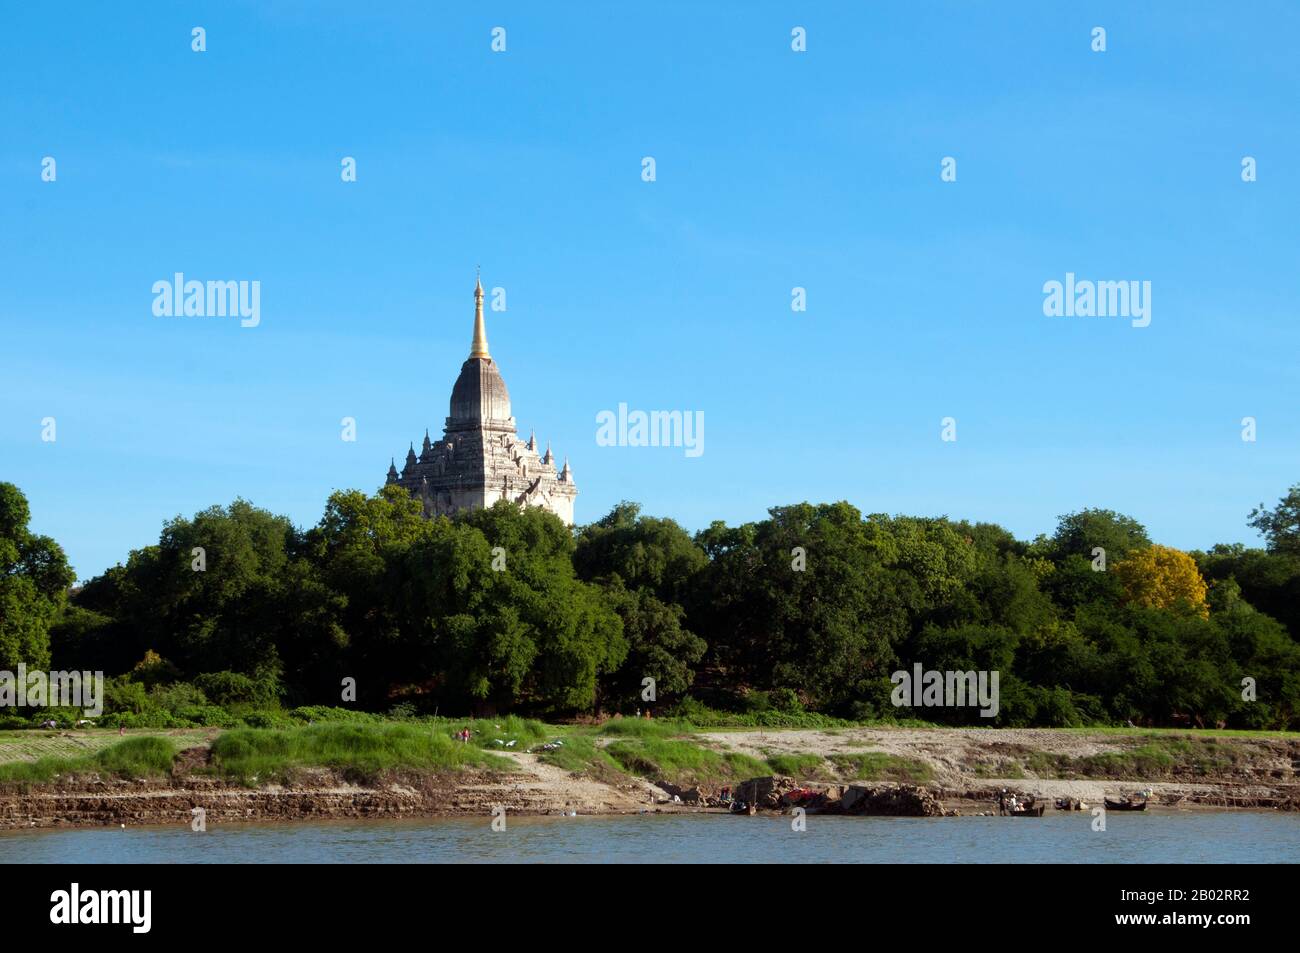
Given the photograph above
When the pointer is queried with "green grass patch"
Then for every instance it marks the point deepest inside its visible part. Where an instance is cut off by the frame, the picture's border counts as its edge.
(144, 757)
(489, 734)
(881, 766)
(360, 753)
(1160, 757)
(581, 755)
(645, 728)
(1000, 769)
(682, 762)
(1262, 733)
(802, 766)
(32, 745)
(485, 733)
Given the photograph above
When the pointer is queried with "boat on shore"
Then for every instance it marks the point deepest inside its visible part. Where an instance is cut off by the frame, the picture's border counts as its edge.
(1028, 811)
(1010, 806)
(1125, 805)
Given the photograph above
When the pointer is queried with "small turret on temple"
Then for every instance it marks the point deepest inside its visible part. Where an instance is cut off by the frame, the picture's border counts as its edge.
(480, 458)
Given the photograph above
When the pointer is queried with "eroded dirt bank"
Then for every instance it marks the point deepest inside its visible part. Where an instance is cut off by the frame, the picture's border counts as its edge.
(966, 768)
(925, 771)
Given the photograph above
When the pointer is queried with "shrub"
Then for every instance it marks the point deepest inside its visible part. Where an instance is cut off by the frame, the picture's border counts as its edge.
(326, 713)
(232, 688)
(121, 694)
(175, 697)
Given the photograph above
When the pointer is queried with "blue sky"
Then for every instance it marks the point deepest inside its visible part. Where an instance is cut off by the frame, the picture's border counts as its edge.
(775, 169)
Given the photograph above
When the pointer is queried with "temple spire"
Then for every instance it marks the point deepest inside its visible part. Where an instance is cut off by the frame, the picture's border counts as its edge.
(480, 346)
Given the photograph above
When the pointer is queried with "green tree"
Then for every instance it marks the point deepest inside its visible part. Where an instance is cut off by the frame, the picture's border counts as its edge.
(646, 566)
(1280, 526)
(34, 580)
(804, 600)
(1077, 534)
(226, 590)
(1075, 549)
(359, 555)
(646, 553)
(1268, 581)
(659, 645)
(491, 612)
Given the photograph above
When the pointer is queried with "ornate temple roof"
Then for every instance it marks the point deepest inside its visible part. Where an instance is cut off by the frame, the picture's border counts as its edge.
(481, 459)
(479, 399)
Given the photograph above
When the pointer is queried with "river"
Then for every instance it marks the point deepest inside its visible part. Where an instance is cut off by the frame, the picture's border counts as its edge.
(1239, 837)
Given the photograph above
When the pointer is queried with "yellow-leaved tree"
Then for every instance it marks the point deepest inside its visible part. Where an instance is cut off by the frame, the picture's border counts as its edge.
(1161, 577)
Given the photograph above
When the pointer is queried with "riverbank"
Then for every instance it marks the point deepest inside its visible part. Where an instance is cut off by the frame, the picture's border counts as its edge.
(633, 768)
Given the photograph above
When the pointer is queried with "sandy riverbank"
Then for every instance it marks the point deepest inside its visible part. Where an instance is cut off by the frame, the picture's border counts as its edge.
(963, 768)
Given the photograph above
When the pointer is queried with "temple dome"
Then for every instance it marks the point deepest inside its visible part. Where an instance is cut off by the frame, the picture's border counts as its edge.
(479, 400)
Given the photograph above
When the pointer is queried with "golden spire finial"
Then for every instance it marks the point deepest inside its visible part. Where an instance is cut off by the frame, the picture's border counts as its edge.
(480, 346)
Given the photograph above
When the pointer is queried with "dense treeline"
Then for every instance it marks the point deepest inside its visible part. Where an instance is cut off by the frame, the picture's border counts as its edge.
(810, 609)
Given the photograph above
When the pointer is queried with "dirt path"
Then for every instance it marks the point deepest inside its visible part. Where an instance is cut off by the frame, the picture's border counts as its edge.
(548, 788)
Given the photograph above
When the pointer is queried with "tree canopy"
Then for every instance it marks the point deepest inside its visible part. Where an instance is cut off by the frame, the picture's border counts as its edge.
(34, 578)
(508, 609)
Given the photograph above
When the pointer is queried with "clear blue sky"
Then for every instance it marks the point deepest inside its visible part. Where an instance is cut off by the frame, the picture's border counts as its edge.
(775, 169)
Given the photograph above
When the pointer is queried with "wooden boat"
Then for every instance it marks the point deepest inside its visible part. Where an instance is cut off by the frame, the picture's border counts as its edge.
(1113, 805)
(1028, 811)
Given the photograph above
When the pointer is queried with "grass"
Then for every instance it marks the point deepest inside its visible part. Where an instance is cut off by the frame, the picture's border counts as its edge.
(801, 766)
(142, 757)
(1161, 756)
(881, 766)
(682, 762)
(1002, 769)
(581, 755)
(32, 745)
(645, 728)
(1184, 732)
(486, 732)
(360, 753)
